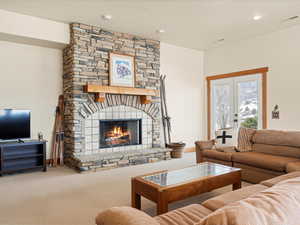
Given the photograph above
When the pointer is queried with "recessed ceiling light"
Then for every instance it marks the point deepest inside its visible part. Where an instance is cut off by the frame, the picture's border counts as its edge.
(107, 17)
(257, 17)
(161, 31)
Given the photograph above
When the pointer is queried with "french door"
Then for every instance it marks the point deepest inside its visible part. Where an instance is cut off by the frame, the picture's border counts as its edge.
(235, 102)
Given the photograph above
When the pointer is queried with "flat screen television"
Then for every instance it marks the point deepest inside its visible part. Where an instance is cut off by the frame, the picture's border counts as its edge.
(14, 124)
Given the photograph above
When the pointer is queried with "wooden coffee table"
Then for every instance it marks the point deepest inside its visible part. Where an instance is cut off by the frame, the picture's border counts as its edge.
(165, 187)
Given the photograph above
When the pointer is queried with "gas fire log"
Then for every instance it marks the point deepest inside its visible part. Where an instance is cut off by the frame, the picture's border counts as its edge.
(118, 140)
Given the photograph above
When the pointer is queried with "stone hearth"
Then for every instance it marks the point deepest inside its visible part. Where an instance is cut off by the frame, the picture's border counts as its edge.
(86, 60)
(121, 159)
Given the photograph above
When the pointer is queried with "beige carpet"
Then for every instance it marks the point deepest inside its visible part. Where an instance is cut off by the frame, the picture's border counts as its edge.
(64, 197)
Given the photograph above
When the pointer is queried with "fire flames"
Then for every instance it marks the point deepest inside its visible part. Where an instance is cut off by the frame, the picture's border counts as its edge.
(118, 136)
(118, 132)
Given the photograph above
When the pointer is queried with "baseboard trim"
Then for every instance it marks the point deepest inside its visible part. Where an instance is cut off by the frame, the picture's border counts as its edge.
(48, 161)
(190, 149)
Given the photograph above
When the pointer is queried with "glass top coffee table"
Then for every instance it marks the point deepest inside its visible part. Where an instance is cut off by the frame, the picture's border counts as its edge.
(164, 187)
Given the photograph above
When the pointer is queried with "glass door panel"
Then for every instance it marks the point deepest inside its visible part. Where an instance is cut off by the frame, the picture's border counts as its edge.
(222, 105)
(248, 102)
(236, 102)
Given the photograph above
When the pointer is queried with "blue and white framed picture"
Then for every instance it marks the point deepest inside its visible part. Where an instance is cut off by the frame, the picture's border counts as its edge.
(121, 70)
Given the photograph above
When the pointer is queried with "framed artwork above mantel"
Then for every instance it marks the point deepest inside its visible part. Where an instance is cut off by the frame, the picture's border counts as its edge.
(121, 70)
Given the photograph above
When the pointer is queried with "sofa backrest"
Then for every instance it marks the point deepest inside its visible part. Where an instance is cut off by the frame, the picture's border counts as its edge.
(276, 142)
(278, 205)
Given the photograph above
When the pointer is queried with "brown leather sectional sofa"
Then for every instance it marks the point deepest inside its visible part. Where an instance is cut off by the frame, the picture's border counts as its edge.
(273, 163)
(273, 153)
(272, 202)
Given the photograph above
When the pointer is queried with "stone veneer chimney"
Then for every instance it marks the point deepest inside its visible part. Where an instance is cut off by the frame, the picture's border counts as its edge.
(86, 60)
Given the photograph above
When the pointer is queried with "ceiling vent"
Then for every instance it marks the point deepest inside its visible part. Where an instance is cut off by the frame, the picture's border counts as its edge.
(219, 41)
(290, 19)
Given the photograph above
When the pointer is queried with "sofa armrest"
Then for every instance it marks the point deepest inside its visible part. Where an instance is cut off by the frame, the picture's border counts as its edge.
(293, 166)
(202, 145)
(124, 216)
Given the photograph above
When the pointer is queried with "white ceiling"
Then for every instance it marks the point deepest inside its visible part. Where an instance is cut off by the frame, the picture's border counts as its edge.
(196, 24)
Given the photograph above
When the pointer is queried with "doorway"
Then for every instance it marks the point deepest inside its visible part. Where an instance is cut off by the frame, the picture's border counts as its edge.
(237, 100)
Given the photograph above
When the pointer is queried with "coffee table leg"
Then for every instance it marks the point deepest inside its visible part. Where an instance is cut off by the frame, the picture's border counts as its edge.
(162, 204)
(237, 185)
(136, 201)
(135, 197)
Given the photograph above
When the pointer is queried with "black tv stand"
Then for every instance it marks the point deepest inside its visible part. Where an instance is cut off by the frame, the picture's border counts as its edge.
(21, 141)
(21, 156)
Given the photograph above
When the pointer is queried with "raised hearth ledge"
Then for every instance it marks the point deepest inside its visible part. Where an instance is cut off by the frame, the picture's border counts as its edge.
(103, 161)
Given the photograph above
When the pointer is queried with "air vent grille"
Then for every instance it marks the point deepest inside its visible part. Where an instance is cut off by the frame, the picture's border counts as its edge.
(291, 18)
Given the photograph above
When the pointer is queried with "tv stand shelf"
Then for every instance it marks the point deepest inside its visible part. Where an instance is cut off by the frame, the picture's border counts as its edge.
(16, 156)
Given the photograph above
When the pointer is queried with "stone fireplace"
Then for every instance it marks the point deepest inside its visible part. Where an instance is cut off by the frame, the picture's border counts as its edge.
(120, 131)
(118, 128)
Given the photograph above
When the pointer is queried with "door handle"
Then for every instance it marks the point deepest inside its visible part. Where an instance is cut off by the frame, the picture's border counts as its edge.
(235, 120)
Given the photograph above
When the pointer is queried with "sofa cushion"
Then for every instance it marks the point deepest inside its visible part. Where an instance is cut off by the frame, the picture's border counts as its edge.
(278, 205)
(226, 163)
(277, 137)
(254, 174)
(261, 160)
(184, 216)
(124, 215)
(293, 166)
(276, 180)
(225, 149)
(277, 150)
(232, 196)
(214, 154)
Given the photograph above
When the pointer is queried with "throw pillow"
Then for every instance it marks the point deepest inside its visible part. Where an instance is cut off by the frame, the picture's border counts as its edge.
(245, 139)
(225, 139)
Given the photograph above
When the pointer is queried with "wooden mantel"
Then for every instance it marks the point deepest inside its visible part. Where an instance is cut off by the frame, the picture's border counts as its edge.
(100, 91)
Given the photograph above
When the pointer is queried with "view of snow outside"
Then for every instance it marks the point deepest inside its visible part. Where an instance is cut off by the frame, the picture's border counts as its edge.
(222, 107)
(247, 102)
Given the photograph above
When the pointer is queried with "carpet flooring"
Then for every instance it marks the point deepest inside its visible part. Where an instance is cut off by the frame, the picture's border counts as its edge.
(64, 197)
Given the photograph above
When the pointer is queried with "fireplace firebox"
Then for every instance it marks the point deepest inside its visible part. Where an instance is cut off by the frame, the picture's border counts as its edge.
(114, 133)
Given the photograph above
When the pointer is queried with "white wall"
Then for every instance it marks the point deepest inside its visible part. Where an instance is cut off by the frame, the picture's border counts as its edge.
(33, 30)
(32, 75)
(31, 78)
(280, 51)
(184, 89)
